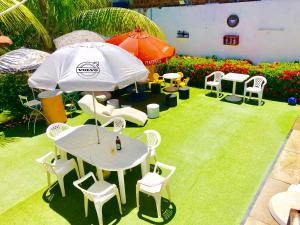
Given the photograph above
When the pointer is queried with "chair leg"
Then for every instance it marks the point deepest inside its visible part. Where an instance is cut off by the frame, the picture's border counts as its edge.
(168, 192)
(244, 98)
(137, 192)
(250, 95)
(119, 200)
(61, 185)
(217, 89)
(76, 169)
(259, 98)
(34, 123)
(158, 205)
(49, 180)
(29, 120)
(99, 213)
(86, 206)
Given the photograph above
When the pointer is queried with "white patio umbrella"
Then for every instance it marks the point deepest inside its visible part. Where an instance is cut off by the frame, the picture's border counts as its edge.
(91, 66)
(77, 36)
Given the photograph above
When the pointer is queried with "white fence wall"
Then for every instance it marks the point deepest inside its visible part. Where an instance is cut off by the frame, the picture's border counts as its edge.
(269, 30)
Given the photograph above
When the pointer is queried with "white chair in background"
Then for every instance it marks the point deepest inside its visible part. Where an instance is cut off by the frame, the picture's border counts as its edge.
(153, 184)
(35, 106)
(55, 129)
(153, 140)
(118, 122)
(58, 167)
(259, 83)
(216, 82)
(99, 193)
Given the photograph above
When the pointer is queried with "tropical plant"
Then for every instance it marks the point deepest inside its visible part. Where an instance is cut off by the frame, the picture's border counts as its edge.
(52, 18)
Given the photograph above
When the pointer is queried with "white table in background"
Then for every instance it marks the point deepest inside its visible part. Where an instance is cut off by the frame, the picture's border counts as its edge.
(81, 141)
(172, 77)
(234, 77)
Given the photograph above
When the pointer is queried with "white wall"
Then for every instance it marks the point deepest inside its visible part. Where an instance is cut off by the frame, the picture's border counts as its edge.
(269, 30)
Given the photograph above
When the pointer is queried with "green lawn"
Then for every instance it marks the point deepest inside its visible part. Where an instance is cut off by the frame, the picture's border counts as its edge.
(222, 152)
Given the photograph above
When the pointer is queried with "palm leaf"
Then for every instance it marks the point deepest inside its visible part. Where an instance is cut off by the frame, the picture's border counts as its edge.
(112, 21)
(20, 19)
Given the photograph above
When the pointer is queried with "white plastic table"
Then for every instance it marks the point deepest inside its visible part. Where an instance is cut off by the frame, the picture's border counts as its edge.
(172, 77)
(234, 77)
(81, 141)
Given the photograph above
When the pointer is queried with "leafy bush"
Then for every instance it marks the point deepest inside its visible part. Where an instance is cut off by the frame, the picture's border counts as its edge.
(283, 78)
(12, 85)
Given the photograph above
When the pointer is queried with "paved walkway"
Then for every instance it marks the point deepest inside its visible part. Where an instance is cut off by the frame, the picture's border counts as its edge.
(285, 171)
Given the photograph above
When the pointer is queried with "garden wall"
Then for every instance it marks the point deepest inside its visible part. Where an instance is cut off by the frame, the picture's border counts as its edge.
(268, 30)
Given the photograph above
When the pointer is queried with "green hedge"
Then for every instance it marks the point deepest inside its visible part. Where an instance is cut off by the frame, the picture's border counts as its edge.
(12, 85)
(283, 78)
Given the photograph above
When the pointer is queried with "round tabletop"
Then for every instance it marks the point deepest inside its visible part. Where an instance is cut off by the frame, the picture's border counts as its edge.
(81, 142)
(49, 94)
(281, 204)
(171, 76)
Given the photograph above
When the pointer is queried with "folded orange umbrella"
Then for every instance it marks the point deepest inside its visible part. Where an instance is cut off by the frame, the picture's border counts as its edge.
(5, 41)
(150, 50)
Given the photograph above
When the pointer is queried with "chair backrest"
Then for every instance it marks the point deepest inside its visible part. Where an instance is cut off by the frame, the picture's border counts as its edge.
(23, 99)
(118, 122)
(46, 161)
(259, 81)
(153, 138)
(218, 76)
(54, 129)
(181, 74)
(171, 170)
(186, 81)
(91, 195)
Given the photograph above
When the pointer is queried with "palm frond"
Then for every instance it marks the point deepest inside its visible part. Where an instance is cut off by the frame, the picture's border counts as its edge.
(112, 21)
(20, 19)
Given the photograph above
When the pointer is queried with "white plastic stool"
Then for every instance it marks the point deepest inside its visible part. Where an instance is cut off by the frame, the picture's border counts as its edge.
(153, 110)
(113, 102)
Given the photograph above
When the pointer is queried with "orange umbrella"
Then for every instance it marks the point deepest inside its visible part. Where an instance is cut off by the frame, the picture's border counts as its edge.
(5, 41)
(150, 50)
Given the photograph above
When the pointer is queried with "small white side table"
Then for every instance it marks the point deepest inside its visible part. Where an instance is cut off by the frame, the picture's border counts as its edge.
(234, 77)
(153, 111)
(113, 102)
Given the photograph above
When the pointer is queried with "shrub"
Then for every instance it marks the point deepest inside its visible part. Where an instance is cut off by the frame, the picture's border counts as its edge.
(283, 78)
(12, 85)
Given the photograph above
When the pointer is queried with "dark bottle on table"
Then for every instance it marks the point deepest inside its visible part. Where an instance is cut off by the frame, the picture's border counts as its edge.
(118, 143)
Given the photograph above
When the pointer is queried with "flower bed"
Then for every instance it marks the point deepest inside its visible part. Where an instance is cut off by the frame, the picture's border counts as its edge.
(283, 78)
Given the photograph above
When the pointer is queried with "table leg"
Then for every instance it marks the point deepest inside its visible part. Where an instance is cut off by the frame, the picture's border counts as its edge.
(122, 186)
(99, 174)
(233, 88)
(80, 167)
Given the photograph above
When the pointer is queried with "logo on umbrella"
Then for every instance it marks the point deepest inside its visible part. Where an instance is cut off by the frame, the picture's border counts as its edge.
(88, 70)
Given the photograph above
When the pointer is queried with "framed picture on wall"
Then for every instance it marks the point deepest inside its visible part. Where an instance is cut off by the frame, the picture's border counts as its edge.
(233, 20)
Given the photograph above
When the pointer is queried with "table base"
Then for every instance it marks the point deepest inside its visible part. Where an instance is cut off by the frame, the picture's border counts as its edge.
(233, 98)
(171, 89)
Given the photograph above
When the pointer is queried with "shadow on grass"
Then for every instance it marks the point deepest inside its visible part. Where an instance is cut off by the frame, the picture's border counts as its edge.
(21, 130)
(72, 209)
(213, 94)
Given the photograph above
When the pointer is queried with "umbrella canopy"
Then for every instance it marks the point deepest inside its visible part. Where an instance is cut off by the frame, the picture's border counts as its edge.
(5, 41)
(22, 60)
(77, 36)
(149, 49)
(91, 66)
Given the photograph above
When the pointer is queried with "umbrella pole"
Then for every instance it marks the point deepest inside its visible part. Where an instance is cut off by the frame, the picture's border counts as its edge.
(136, 90)
(96, 121)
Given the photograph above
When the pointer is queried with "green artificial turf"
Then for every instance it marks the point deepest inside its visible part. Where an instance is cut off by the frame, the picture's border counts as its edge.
(222, 152)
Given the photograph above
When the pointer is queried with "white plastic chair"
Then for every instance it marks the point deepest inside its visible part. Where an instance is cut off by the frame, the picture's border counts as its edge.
(216, 82)
(153, 184)
(58, 167)
(118, 122)
(35, 106)
(55, 129)
(259, 83)
(153, 140)
(99, 193)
